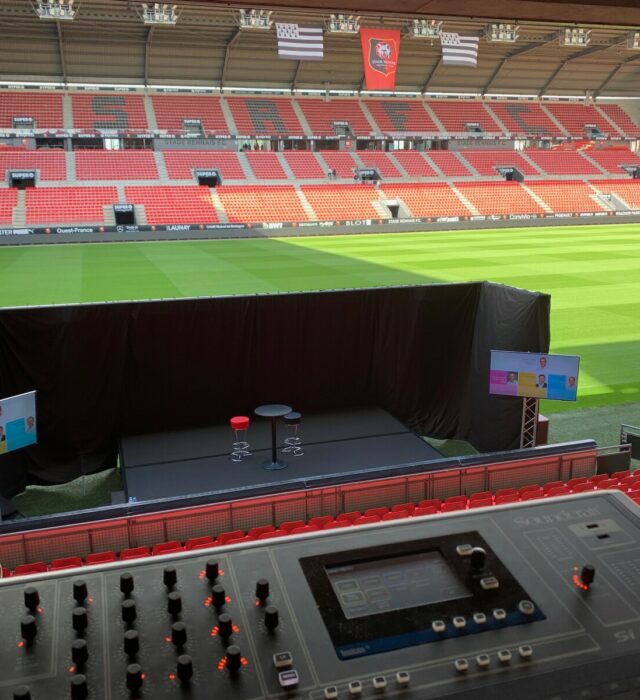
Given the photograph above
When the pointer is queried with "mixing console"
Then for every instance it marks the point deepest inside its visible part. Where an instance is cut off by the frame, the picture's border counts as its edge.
(539, 599)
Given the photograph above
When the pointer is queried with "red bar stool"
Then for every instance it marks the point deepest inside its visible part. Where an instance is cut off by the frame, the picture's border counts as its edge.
(240, 448)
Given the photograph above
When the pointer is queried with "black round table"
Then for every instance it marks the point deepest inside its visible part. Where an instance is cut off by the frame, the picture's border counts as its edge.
(273, 411)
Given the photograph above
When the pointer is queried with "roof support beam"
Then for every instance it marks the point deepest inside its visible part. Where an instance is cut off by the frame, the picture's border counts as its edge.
(294, 82)
(63, 62)
(147, 54)
(613, 74)
(230, 43)
(429, 77)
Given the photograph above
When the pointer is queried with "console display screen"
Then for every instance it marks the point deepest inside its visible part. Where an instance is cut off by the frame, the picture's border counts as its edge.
(394, 583)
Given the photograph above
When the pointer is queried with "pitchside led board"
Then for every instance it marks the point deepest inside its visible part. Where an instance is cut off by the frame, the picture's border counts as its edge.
(18, 422)
(531, 375)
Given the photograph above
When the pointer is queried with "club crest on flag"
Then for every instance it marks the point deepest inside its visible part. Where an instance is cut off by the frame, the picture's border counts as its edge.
(383, 56)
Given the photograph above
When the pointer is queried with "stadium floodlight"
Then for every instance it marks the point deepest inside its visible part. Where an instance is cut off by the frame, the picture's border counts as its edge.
(502, 33)
(255, 19)
(159, 13)
(55, 9)
(633, 41)
(343, 24)
(425, 28)
(575, 36)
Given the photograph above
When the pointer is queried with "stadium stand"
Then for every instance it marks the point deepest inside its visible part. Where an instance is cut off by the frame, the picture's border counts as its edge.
(379, 160)
(621, 118)
(174, 204)
(45, 110)
(340, 160)
(8, 200)
(181, 164)
(561, 162)
(401, 117)
(171, 111)
(499, 198)
(115, 165)
(612, 159)
(265, 165)
(414, 164)
(485, 162)
(50, 163)
(433, 199)
(68, 205)
(566, 195)
(109, 111)
(304, 165)
(264, 116)
(574, 116)
(525, 119)
(448, 163)
(320, 116)
(337, 202)
(627, 190)
(454, 116)
(255, 203)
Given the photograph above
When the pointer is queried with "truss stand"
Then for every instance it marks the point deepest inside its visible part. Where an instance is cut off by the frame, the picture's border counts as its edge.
(529, 422)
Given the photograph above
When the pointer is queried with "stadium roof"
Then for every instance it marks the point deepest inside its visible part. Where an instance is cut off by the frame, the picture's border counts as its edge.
(108, 43)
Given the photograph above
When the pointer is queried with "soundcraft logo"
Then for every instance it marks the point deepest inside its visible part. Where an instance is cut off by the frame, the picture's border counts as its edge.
(562, 516)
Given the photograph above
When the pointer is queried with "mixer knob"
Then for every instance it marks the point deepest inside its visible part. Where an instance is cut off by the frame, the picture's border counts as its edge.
(174, 603)
(587, 574)
(131, 643)
(28, 628)
(271, 617)
(234, 658)
(22, 693)
(134, 677)
(79, 687)
(212, 570)
(126, 583)
(31, 598)
(218, 596)
(477, 558)
(262, 589)
(185, 668)
(225, 628)
(80, 619)
(79, 652)
(179, 634)
(170, 576)
(129, 612)
(80, 591)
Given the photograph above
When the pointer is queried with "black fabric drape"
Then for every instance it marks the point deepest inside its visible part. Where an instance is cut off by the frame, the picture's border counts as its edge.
(105, 371)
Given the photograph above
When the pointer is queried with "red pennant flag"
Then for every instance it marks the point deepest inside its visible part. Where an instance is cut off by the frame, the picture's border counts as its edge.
(380, 53)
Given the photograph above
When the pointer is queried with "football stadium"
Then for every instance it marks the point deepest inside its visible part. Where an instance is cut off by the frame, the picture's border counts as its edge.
(326, 314)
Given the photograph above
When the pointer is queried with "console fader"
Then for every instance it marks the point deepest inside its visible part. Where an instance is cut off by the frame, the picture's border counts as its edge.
(541, 599)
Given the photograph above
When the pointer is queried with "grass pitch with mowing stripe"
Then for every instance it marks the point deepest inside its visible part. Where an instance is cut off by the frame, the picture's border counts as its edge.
(591, 272)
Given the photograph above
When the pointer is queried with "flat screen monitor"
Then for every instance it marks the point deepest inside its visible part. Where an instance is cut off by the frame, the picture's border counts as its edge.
(534, 375)
(18, 422)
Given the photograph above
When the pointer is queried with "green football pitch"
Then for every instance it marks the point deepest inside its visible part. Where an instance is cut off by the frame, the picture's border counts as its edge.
(591, 272)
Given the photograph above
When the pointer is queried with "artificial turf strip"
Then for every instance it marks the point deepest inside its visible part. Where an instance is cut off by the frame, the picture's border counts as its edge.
(591, 272)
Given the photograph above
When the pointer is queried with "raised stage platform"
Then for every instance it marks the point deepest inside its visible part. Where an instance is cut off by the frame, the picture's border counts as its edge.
(339, 445)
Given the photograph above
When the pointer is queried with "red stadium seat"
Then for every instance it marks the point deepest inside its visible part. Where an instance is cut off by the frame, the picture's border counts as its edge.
(65, 563)
(292, 525)
(134, 553)
(27, 569)
(304, 529)
(367, 520)
(351, 516)
(321, 520)
(376, 511)
(199, 543)
(167, 547)
(255, 532)
(224, 537)
(506, 498)
(481, 502)
(100, 558)
(404, 507)
(424, 510)
(397, 515)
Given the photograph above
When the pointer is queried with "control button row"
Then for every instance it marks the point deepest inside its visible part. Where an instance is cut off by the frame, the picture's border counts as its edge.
(483, 661)
(479, 618)
(356, 687)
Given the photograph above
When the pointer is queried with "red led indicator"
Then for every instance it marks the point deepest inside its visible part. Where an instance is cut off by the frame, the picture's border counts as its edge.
(214, 632)
(208, 602)
(143, 676)
(222, 664)
(201, 575)
(244, 661)
(167, 639)
(20, 645)
(579, 584)
(235, 628)
(39, 610)
(72, 669)
(90, 599)
(172, 676)
(227, 599)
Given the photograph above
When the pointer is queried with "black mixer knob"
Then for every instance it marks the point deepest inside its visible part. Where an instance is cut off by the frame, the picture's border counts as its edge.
(212, 570)
(225, 628)
(170, 576)
(477, 558)
(126, 583)
(185, 668)
(262, 589)
(587, 574)
(134, 677)
(174, 603)
(234, 658)
(80, 619)
(31, 598)
(28, 628)
(22, 693)
(80, 591)
(129, 612)
(271, 617)
(79, 687)
(179, 634)
(79, 652)
(131, 643)
(218, 596)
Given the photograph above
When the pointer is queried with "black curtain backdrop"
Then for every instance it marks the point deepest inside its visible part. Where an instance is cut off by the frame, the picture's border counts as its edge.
(110, 370)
